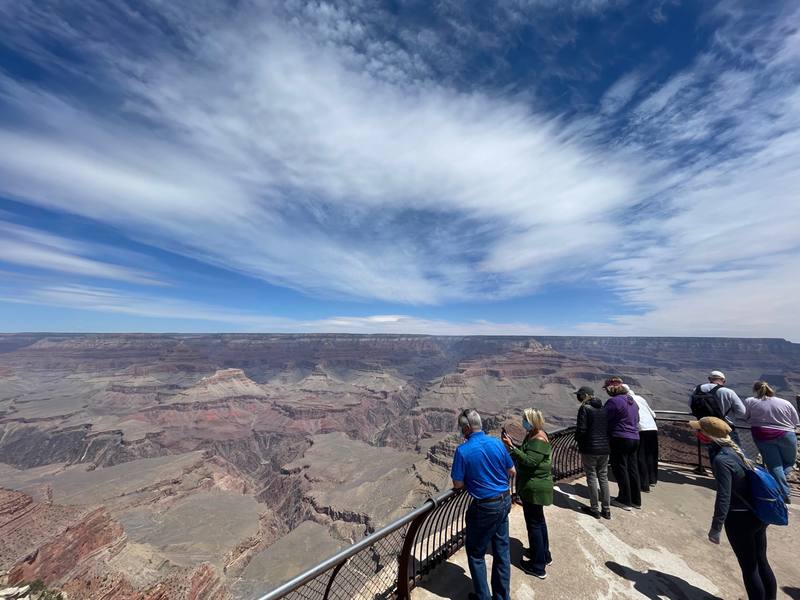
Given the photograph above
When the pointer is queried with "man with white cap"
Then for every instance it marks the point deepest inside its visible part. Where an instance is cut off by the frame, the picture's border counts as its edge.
(713, 399)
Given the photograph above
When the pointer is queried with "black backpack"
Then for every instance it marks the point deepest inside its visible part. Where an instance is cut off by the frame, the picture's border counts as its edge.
(706, 404)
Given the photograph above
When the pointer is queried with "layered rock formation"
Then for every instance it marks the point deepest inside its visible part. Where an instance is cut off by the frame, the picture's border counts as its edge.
(198, 466)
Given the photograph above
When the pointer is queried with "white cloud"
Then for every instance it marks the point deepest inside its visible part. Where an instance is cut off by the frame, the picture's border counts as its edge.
(105, 300)
(287, 163)
(30, 248)
(299, 148)
(620, 93)
(718, 253)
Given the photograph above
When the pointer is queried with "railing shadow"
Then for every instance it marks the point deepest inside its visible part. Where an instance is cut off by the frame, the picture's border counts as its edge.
(679, 476)
(657, 584)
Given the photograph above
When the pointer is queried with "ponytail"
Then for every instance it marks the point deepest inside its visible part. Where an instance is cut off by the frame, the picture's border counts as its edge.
(763, 390)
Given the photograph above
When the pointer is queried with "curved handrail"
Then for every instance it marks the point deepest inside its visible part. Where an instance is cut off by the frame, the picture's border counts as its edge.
(294, 583)
(439, 520)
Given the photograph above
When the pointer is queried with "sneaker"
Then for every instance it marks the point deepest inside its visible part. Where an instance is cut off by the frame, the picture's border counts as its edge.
(621, 505)
(606, 514)
(549, 562)
(637, 506)
(528, 568)
(592, 512)
(527, 553)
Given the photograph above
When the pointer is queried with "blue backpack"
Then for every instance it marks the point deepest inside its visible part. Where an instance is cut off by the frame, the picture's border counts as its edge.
(766, 497)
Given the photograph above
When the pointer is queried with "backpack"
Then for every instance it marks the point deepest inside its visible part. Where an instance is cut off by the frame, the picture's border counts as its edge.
(766, 497)
(706, 404)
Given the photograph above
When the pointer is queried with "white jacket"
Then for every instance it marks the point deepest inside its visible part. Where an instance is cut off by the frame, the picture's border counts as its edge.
(647, 418)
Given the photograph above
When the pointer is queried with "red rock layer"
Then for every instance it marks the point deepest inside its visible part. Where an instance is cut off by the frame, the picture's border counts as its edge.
(70, 548)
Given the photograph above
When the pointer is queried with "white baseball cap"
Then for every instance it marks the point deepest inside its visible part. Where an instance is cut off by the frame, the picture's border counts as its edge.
(716, 375)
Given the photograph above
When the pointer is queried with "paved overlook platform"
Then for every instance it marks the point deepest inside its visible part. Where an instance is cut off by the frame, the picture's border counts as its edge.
(660, 552)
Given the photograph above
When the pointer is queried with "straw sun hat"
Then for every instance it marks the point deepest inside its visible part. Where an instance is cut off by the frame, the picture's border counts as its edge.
(712, 427)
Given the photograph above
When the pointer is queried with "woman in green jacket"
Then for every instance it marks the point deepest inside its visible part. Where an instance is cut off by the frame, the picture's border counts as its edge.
(535, 487)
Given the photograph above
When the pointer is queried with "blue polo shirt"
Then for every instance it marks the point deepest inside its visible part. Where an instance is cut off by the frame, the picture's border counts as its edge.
(482, 463)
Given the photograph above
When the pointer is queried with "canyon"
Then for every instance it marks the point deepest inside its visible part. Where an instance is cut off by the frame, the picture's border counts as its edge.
(199, 467)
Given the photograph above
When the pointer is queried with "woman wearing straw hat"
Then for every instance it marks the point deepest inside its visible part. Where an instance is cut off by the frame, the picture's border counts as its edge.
(746, 533)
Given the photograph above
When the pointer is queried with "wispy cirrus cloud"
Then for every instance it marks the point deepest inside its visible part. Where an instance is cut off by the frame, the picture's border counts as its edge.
(30, 248)
(290, 160)
(317, 146)
(184, 315)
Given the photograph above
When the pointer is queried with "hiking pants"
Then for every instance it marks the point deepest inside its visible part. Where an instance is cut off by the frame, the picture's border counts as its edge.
(596, 468)
(748, 537)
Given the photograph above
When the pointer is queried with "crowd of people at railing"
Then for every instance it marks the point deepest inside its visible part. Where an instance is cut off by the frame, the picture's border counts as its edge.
(622, 433)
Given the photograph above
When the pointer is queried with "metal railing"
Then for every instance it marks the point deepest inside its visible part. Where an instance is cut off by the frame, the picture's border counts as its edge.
(676, 436)
(390, 562)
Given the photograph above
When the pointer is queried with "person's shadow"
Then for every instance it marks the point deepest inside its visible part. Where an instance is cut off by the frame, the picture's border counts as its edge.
(516, 550)
(569, 496)
(792, 592)
(656, 585)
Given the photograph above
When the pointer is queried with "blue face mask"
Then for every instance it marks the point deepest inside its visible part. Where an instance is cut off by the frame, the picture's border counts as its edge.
(526, 425)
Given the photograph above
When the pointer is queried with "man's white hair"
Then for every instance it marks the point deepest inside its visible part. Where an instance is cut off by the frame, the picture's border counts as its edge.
(471, 418)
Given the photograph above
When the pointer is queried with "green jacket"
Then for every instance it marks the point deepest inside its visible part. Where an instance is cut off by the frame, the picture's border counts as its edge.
(534, 471)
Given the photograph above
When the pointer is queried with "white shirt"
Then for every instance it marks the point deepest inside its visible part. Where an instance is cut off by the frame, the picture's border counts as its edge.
(647, 418)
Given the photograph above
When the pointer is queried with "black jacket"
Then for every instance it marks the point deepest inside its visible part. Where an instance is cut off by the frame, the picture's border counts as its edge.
(591, 430)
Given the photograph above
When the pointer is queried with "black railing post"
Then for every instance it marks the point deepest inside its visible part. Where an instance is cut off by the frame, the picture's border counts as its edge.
(333, 576)
(700, 469)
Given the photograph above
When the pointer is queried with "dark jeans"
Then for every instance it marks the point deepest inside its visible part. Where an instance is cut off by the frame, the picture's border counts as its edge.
(487, 525)
(748, 537)
(537, 536)
(647, 457)
(625, 467)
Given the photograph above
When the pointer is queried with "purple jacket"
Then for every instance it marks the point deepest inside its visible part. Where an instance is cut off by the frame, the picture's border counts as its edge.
(623, 417)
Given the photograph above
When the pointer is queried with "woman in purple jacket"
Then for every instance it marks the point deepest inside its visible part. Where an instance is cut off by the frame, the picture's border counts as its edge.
(623, 432)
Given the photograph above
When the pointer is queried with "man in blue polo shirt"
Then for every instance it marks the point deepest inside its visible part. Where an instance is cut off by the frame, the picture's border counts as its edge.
(483, 465)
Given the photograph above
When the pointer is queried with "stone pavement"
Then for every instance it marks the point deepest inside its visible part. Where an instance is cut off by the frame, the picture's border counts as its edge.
(660, 552)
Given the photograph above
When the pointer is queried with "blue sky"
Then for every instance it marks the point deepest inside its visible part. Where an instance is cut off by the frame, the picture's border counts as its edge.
(521, 166)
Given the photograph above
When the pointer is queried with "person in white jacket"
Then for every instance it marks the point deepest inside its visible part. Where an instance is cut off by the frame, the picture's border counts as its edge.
(648, 443)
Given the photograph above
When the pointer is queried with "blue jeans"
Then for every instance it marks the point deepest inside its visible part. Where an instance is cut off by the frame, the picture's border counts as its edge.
(779, 457)
(487, 525)
(537, 536)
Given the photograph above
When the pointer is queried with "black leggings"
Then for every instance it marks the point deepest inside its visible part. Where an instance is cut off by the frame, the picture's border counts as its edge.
(748, 537)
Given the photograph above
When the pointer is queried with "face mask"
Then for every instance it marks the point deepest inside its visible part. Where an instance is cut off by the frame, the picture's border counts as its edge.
(526, 425)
